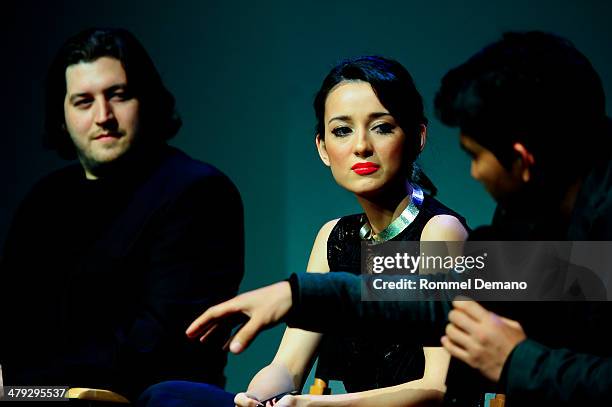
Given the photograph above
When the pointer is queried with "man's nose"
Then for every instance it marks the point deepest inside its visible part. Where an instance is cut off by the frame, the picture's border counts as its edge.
(104, 112)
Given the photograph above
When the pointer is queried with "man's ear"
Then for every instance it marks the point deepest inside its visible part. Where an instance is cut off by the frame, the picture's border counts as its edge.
(525, 163)
(322, 150)
(423, 134)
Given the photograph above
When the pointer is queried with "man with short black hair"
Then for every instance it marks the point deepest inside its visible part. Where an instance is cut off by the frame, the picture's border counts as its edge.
(107, 260)
(531, 113)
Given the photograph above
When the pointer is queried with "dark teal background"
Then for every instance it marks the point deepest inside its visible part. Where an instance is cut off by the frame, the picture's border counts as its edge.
(244, 75)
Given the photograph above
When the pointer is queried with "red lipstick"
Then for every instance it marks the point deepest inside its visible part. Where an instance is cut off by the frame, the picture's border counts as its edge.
(365, 168)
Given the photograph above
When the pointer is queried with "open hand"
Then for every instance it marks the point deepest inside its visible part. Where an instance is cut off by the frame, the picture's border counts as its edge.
(263, 307)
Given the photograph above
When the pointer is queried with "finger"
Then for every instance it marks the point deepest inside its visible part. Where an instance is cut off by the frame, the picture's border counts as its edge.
(203, 322)
(462, 321)
(211, 316)
(471, 309)
(227, 343)
(208, 332)
(245, 336)
(510, 322)
(459, 337)
(455, 350)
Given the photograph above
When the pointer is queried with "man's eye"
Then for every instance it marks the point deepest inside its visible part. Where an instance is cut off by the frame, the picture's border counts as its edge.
(341, 131)
(82, 103)
(384, 128)
(120, 96)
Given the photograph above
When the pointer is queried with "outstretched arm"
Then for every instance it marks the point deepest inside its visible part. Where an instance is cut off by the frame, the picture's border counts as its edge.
(301, 305)
(331, 303)
(338, 294)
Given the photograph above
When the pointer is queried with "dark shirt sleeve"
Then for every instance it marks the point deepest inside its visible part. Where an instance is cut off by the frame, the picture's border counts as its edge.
(536, 373)
(196, 260)
(332, 303)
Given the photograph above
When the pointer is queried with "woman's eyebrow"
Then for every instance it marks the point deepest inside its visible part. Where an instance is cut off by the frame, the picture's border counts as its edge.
(376, 115)
(344, 118)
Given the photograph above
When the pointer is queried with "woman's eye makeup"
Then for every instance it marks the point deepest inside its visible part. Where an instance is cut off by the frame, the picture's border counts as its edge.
(341, 131)
(384, 128)
(380, 128)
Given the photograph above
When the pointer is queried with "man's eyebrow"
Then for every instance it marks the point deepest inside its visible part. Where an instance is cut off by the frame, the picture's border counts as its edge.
(114, 88)
(75, 96)
(110, 89)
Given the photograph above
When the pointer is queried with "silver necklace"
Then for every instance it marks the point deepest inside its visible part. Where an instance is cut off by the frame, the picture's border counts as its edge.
(399, 224)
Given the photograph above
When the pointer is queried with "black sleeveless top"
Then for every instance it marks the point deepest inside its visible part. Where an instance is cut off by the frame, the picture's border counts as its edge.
(369, 362)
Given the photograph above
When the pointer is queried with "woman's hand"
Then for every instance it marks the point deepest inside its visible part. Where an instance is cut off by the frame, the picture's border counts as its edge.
(264, 308)
(481, 338)
(249, 400)
(246, 400)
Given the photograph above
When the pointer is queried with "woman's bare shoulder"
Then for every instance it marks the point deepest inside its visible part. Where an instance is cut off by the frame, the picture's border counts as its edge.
(318, 256)
(444, 228)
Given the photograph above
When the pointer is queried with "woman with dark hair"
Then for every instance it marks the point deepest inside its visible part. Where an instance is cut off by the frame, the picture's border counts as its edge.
(370, 129)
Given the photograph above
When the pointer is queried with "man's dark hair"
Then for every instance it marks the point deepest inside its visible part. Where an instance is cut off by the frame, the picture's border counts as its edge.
(395, 88)
(534, 88)
(159, 119)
